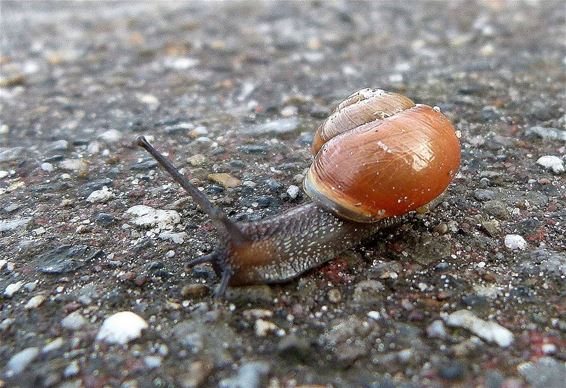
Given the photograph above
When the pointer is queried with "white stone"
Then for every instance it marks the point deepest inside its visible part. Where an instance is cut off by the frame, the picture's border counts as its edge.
(149, 99)
(93, 147)
(48, 167)
(436, 329)
(147, 216)
(3, 263)
(39, 231)
(182, 63)
(263, 327)
(34, 302)
(289, 111)
(551, 162)
(20, 361)
(12, 289)
(257, 313)
(152, 362)
(72, 369)
(293, 191)
(177, 238)
(74, 321)
(53, 345)
(110, 136)
(100, 196)
(4, 174)
(199, 131)
(73, 165)
(514, 241)
(121, 328)
(488, 330)
(375, 315)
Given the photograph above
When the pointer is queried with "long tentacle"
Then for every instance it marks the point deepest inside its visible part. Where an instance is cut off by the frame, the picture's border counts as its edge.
(218, 217)
(202, 259)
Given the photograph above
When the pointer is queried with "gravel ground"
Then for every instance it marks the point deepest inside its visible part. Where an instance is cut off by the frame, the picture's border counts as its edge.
(470, 293)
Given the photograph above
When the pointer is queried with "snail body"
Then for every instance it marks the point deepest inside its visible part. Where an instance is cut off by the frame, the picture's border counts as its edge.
(377, 157)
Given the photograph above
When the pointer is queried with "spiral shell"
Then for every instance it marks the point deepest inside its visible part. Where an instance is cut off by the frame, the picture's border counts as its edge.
(379, 155)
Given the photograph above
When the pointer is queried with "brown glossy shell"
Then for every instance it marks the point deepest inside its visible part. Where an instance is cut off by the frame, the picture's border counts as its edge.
(364, 106)
(385, 167)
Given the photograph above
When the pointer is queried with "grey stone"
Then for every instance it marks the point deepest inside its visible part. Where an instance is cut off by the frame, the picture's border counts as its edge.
(11, 154)
(276, 127)
(14, 224)
(66, 258)
(19, 361)
(544, 373)
(548, 133)
(249, 376)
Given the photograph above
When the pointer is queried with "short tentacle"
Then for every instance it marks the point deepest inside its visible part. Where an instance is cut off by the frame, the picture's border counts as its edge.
(212, 257)
(226, 276)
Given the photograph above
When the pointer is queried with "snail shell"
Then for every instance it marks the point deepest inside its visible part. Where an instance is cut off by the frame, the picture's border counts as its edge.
(379, 155)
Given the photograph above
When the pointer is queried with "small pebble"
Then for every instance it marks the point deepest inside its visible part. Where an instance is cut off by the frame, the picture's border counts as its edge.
(194, 290)
(74, 165)
(249, 376)
(34, 302)
(197, 160)
(454, 370)
(514, 242)
(74, 321)
(180, 63)
(196, 374)
(224, 179)
(334, 295)
(293, 191)
(198, 132)
(263, 327)
(548, 133)
(48, 167)
(110, 136)
(257, 313)
(6, 324)
(544, 372)
(152, 362)
(147, 216)
(72, 369)
(289, 111)
(104, 219)
(375, 315)
(149, 99)
(121, 328)
(553, 163)
(12, 289)
(53, 345)
(177, 238)
(436, 329)
(11, 154)
(13, 224)
(488, 330)
(19, 361)
(100, 196)
(57, 146)
(275, 128)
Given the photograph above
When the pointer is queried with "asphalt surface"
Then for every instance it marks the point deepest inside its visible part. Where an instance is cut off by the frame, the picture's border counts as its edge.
(471, 293)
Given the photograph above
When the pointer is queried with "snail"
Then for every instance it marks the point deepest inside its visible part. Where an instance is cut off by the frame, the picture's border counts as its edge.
(377, 157)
